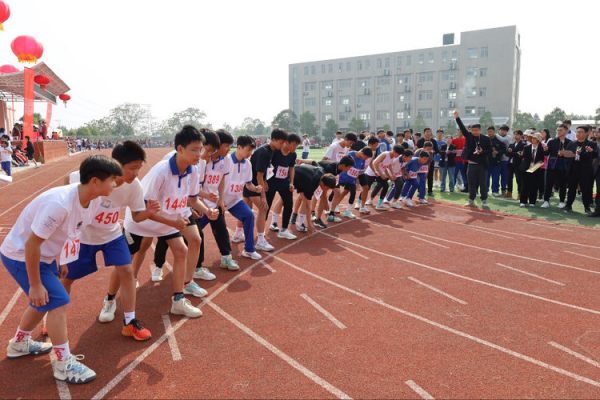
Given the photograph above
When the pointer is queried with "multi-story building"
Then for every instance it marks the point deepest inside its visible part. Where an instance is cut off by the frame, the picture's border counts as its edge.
(479, 74)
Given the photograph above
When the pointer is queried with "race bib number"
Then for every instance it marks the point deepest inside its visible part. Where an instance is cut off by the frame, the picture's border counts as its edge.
(424, 169)
(282, 172)
(235, 188)
(353, 173)
(318, 193)
(458, 153)
(108, 218)
(339, 157)
(70, 251)
(175, 205)
(337, 180)
(212, 179)
(269, 173)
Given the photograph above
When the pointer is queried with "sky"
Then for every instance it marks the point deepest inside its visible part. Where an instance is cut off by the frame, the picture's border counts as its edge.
(230, 58)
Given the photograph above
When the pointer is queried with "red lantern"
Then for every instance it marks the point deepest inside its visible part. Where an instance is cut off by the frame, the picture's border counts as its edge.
(42, 80)
(64, 97)
(27, 49)
(8, 69)
(4, 14)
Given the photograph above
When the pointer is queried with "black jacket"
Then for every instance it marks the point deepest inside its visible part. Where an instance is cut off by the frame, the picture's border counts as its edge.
(554, 146)
(494, 159)
(585, 162)
(472, 143)
(422, 141)
(514, 158)
(447, 158)
(527, 156)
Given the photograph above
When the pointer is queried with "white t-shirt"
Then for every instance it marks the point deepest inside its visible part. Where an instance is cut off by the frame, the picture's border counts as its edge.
(240, 173)
(215, 173)
(164, 183)
(411, 144)
(5, 153)
(336, 152)
(386, 162)
(393, 141)
(201, 165)
(105, 226)
(336, 140)
(305, 146)
(55, 216)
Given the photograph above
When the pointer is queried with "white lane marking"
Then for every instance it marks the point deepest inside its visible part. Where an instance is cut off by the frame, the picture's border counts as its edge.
(293, 363)
(428, 242)
(438, 291)
(582, 255)
(551, 226)
(479, 248)
(469, 279)
(496, 234)
(420, 391)
(352, 251)
(576, 354)
(63, 388)
(10, 305)
(323, 311)
(531, 274)
(267, 266)
(447, 328)
(175, 353)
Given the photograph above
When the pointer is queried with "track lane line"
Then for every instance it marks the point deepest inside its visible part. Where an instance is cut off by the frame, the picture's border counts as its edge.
(175, 353)
(353, 251)
(582, 255)
(575, 354)
(428, 242)
(531, 274)
(437, 290)
(10, 305)
(419, 390)
(63, 388)
(323, 311)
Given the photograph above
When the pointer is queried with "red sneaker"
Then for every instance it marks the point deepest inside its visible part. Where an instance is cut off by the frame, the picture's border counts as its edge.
(137, 330)
(45, 330)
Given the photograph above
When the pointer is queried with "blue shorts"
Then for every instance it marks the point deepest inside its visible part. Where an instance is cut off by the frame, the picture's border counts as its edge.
(115, 253)
(57, 294)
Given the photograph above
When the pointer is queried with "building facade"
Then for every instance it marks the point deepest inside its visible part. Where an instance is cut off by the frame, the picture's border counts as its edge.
(479, 74)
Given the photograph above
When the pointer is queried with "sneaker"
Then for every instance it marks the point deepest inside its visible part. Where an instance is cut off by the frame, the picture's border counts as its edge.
(137, 284)
(561, 205)
(369, 202)
(364, 210)
(386, 201)
(430, 194)
(157, 274)
(333, 218)
(195, 290)
(470, 203)
(396, 205)
(27, 347)
(567, 208)
(522, 205)
(545, 205)
(301, 228)
(348, 214)
(108, 310)
(293, 219)
(320, 224)
(532, 205)
(313, 217)
(229, 263)
(263, 245)
(495, 194)
(588, 211)
(136, 330)
(423, 201)
(381, 207)
(274, 227)
(357, 205)
(254, 255)
(204, 274)
(408, 202)
(238, 238)
(336, 211)
(184, 307)
(72, 371)
(484, 203)
(286, 235)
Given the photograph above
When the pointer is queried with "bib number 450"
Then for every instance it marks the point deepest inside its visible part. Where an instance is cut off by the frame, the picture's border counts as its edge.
(107, 218)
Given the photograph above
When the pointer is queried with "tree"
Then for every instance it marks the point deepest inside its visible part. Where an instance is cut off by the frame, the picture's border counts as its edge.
(597, 116)
(419, 124)
(331, 127)
(189, 116)
(83, 132)
(307, 124)
(37, 117)
(356, 125)
(486, 120)
(128, 119)
(386, 127)
(523, 121)
(102, 127)
(227, 127)
(554, 118)
(287, 120)
(451, 128)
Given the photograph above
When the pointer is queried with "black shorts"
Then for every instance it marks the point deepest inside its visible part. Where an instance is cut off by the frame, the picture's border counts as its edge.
(249, 193)
(134, 242)
(349, 186)
(362, 180)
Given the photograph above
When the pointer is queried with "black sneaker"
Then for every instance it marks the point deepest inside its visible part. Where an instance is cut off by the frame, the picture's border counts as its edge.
(320, 223)
(301, 228)
(293, 219)
(567, 208)
(588, 211)
(595, 213)
(430, 194)
(465, 190)
(274, 227)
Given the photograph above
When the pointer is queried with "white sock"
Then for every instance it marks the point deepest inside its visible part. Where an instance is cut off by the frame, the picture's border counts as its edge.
(62, 351)
(301, 219)
(349, 207)
(129, 316)
(274, 218)
(21, 336)
(238, 230)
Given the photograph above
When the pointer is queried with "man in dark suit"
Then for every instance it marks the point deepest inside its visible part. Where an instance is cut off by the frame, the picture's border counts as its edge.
(428, 137)
(556, 171)
(532, 154)
(514, 153)
(581, 169)
(476, 150)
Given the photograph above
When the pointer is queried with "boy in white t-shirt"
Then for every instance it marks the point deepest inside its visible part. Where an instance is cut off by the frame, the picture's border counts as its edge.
(305, 146)
(50, 227)
(175, 183)
(6, 153)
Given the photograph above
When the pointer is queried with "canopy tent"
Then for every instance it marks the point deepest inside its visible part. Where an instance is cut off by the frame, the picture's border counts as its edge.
(12, 86)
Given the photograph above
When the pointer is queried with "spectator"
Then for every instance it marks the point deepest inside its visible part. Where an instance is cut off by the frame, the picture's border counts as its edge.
(447, 164)
(305, 147)
(581, 169)
(494, 161)
(6, 153)
(532, 155)
(428, 137)
(556, 170)
(570, 134)
(460, 176)
(436, 158)
(30, 151)
(505, 139)
(514, 153)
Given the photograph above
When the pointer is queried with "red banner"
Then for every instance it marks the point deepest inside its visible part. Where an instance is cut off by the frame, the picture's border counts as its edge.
(48, 114)
(29, 96)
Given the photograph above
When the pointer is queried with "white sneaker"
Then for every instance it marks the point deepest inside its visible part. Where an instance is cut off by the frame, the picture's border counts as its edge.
(369, 202)
(386, 201)
(72, 371)
(108, 311)
(184, 307)
(561, 205)
(423, 201)
(274, 227)
(229, 263)
(204, 274)
(470, 203)
(396, 205)
(357, 205)
(27, 347)
(348, 214)
(254, 255)
(381, 207)
(545, 205)
(522, 205)
(238, 238)
(195, 290)
(263, 245)
(408, 203)
(484, 203)
(364, 210)
(532, 205)
(137, 284)
(157, 274)
(286, 235)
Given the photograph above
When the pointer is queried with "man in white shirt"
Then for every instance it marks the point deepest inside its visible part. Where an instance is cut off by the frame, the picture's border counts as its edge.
(6, 156)
(338, 137)
(305, 147)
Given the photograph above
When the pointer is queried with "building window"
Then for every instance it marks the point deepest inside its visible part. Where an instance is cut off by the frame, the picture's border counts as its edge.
(365, 116)
(344, 100)
(482, 92)
(399, 96)
(408, 60)
(482, 72)
(430, 58)
(444, 56)
(313, 69)
(305, 70)
(364, 99)
(484, 52)
(368, 64)
(403, 78)
(472, 52)
(399, 61)
(326, 117)
(341, 67)
(425, 95)
(379, 63)
(400, 115)
(425, 77)
(448, 76)
(364, 82)
(344, 83)
(359, 65)
(327, 85)
(452, 95)
(348, 66)
(383, 80)
(330, 68)
(454, 55)
(471, 111)
(445, 94)
(387, 62)
(345, 117)
(383, 97)
(327, 101)
(472, 72)
(425, 112)
(310, 102)
(480, 111)
(322, 68)
(446, 112)
(471, 92)
(310, 86)
(421, 58)
(383, 115)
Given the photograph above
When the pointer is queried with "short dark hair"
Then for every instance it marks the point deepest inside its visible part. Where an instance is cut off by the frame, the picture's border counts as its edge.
(187, 135)
(427, 144)
(348, 161)
(211, 138)
(361, 136)
(398, 149)
(567, 121)
(98, 166)
(127, 152)
(476, 126)
(423, 154)
(367, 151)
(351, 136)
(492, 128)
(328, 180)
(518, 132)
(372, 140)
(418, 134)
(279, 134)
(408, 152)
(246, 140)
(380, 130)
(564, 126)
(426, 129)
(439, 130)
(504, 127)
(407, 131)
(293, 137)
(224, 137)
(389, 133)
(586, 128)
(339, 133)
